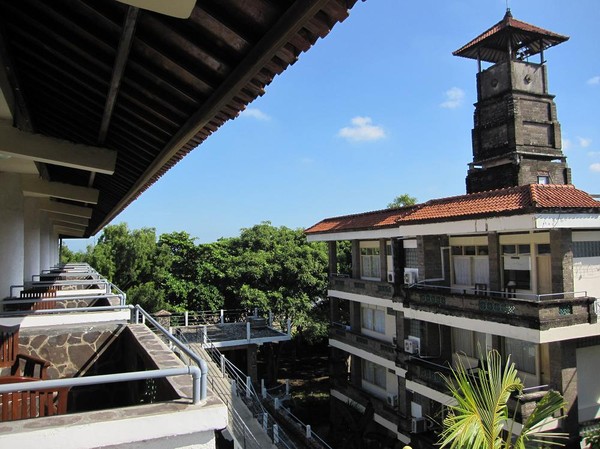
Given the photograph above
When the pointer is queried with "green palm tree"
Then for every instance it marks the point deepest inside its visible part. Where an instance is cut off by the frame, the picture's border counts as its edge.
(480, 418)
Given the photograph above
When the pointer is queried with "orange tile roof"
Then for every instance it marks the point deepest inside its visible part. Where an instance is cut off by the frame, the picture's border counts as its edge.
(492, 44)
(385, 218)
(509, 201)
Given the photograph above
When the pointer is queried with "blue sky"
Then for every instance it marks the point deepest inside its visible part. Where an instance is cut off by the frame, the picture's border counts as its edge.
(378, 108)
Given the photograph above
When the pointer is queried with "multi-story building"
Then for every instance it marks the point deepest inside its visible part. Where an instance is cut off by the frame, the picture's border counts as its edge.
(513, 265)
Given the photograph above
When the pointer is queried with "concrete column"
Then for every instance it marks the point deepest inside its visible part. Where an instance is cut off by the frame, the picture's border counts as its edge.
(561, 243)
(252, 365)
(563, 373)
(44, 241)
(332, 253)
(495, 265)
(11, 232)
(32, 238)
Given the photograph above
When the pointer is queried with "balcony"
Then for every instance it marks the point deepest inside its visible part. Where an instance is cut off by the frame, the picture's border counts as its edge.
(104, 378)
(377, 289)
(431, 373)
(356, 397)
(371, 345)
(540, 312)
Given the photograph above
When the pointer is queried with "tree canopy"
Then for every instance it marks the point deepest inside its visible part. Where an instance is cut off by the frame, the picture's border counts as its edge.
(266, 267)
(402, 200)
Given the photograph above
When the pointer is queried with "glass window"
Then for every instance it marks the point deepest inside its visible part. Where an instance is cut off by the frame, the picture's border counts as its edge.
(524, 249)
(543, 248)
(472, 267)
(457, 250)
(519, 279)
(369, 263)
(482, 251)
(543, 179)
(373, 373)
(373, 319)
(509, 249)
(469, 250)
(468, 342)
(522, 354)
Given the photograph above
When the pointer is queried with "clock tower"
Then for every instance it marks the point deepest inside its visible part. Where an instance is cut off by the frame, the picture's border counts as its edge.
(516, 134)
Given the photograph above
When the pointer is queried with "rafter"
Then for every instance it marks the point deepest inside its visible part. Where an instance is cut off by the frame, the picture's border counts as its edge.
(49, 150)
(37, 187)
(64, 208)
(71, 219)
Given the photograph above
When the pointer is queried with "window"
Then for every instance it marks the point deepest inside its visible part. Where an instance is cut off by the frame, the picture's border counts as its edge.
(373, 373)
(468, 342)
(543, 179)
(522, 354)
(517, 266)
(470, 265)
(373, 319)
(369, 262)
(410, 258)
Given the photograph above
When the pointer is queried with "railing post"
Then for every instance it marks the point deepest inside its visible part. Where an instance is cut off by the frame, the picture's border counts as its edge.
(287, 387)
(186, 318)
(248, 331)
(204, 334)
(276, 403)
(308, 432)
(275, 433)
(289, 327)
(248, 386)
(265, 421)
(222, 317)
(255, 311)
(233, 388)
(270, 318)
(263, 390)
(222, 365)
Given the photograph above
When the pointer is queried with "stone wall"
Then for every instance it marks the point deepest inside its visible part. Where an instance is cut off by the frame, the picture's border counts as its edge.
(71, 350)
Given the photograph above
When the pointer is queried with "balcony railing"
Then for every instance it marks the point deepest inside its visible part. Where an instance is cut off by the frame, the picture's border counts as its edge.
(432, 374)
(519, 309)
(378, 289)
(372, 345)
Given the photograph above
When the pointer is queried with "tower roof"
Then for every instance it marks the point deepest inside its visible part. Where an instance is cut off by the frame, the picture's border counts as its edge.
(524, 40)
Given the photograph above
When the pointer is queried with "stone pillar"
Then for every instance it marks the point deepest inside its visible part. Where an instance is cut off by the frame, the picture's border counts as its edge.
(355, 321)
(495, 265)
(562, 260)
(563, 373)
(332, 253)
(251, 358)
(356, 259)
(32, 238)
(11, 232)
(44, 241)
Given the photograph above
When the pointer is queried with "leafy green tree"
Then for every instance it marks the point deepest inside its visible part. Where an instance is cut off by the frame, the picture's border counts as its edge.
(277, 269)
(480, 419)
(402, 200)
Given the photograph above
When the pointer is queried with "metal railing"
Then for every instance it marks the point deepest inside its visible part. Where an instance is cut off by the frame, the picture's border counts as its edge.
(193, 371)
(508, 294)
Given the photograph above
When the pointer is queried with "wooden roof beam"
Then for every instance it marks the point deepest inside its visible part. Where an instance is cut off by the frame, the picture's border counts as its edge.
(70, 219)
(118, 70)
(68, 231)
(64, 208)
(260, 55)
(54, 151)
(37, 187)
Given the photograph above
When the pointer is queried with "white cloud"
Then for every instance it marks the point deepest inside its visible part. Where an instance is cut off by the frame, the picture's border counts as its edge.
(566, 144)
(584, 142)
(454, 98)
(255, 113)
(595, 80)
(362, 130)
(595, 167)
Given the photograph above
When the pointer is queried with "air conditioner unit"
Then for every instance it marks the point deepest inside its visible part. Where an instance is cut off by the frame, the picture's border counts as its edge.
(392, 400)
(391, 277)
(411, 346)
(418, 425)
(411, 276)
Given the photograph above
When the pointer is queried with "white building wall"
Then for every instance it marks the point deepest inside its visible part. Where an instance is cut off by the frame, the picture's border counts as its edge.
(588, 387)
(32, 238)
